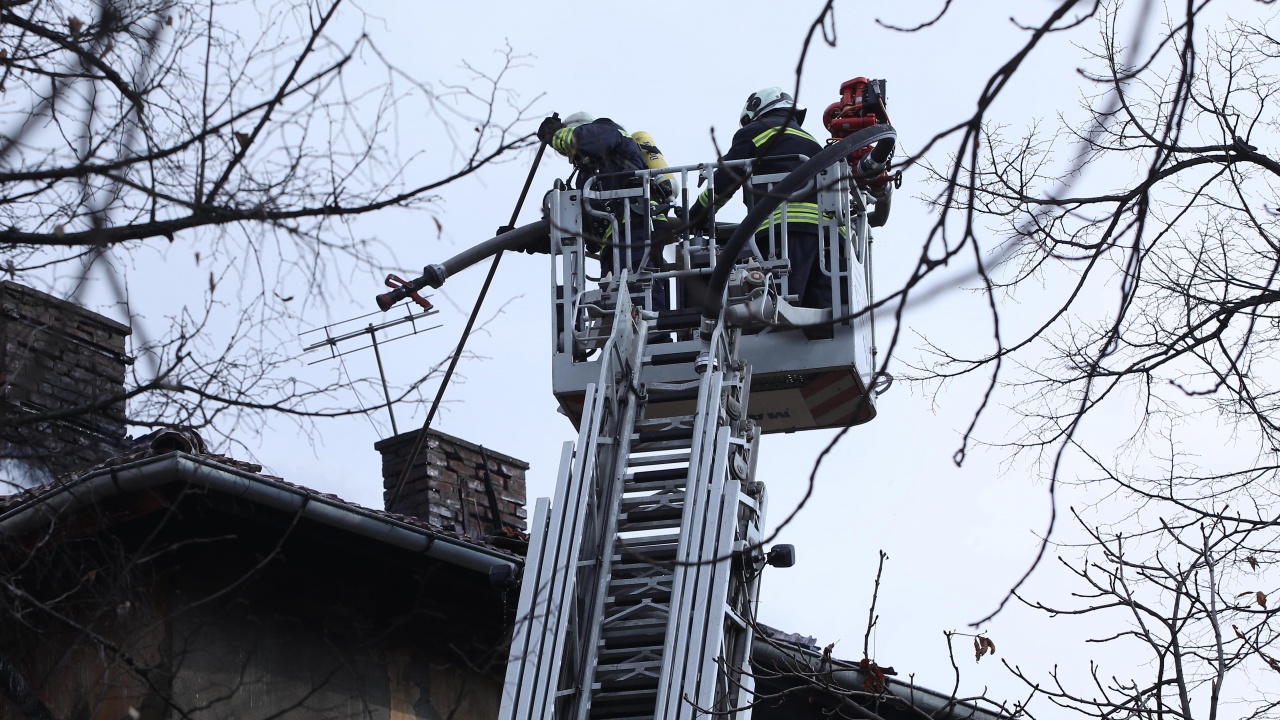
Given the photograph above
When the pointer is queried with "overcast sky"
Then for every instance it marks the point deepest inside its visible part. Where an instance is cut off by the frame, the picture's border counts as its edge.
(957, 537)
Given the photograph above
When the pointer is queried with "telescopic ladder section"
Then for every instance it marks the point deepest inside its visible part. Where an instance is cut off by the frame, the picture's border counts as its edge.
(642, 575)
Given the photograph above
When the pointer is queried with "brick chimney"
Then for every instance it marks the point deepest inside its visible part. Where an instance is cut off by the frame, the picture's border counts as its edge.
(455, 484)
(56, 356)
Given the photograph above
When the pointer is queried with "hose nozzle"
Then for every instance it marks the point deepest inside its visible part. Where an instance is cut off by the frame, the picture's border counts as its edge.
(433, 275)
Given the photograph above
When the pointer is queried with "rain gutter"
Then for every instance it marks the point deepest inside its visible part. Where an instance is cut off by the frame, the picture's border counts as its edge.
(841, 675)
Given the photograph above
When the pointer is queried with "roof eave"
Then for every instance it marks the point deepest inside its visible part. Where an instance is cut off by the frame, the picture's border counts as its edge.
(160, 470)
(807, 662)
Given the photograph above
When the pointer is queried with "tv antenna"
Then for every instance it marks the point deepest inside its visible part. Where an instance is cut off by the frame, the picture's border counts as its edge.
(341, 332)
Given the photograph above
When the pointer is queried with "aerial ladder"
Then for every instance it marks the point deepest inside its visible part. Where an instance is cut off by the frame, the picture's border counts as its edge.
(639, 589)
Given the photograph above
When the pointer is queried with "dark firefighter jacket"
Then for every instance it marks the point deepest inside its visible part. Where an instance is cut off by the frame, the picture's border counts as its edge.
(599, 148)
(777, 143)
(602, 147)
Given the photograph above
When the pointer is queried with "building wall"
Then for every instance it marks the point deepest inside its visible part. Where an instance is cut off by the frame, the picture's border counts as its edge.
(238, 612)
(56, 356)
(449, 484)
(255, 665)
(241, 661)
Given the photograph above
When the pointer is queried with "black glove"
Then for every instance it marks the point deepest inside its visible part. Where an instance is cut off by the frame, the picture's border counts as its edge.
(549, 128)
(697, 219)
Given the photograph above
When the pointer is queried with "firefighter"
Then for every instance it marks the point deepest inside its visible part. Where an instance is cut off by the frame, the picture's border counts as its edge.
(602, 147)
(771, 133)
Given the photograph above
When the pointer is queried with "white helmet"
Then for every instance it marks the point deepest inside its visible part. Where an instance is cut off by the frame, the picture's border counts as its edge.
(766, 100)
(578, 118)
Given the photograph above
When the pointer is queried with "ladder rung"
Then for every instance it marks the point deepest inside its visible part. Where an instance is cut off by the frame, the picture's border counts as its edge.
(651, 511)
(645, 620)
(653, 501)
(622, 596)
(634, 636)
(658, 444)
(639, 615)
(656, 557)
(644, 554)
(643, 713)
(655, 486)
(628, 524)
(614, 655)
(657, 458)
(624, 705)
(646, 564)
(645, 542)
(632, 684)
(633, 590)
(673, 473)
(640, 573)
(625, 695)
(676, 433)
(637, 673)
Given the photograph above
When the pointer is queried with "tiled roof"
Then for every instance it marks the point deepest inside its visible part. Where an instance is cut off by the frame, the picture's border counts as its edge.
(164, 443)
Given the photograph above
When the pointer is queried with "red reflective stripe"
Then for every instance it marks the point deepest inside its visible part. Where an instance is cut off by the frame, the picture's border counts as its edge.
(820, 383)
(842, 420)
(842, 398)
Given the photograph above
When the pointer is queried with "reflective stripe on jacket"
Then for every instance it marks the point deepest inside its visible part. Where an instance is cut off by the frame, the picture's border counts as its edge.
(773, 135)
(599, 148)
